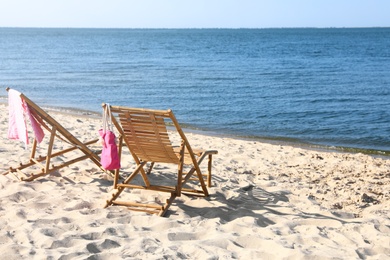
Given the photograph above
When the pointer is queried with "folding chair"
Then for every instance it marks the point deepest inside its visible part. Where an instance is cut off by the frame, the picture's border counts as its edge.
(38, 166)
(145, 133)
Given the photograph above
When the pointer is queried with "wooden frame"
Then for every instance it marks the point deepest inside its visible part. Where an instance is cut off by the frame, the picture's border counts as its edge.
(145, 134)
(57, 131)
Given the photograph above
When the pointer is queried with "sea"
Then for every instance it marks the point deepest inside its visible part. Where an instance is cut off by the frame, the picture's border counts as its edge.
(321, 87)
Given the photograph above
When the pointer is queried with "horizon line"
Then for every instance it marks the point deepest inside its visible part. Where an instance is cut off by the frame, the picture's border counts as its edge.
(195, 28)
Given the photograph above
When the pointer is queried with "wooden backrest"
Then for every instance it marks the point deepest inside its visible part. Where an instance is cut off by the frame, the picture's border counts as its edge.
(145, 133)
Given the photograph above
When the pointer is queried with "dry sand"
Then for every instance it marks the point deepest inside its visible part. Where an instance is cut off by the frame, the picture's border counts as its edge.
(268, 201)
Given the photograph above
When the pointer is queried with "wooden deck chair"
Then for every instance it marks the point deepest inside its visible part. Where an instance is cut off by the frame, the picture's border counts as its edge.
(145, 133)
(38, 166)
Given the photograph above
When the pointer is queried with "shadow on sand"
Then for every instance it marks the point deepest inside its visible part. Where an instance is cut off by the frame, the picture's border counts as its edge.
(249, 201)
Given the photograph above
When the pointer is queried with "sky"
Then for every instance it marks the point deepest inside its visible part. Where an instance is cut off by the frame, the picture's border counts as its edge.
(194, 13)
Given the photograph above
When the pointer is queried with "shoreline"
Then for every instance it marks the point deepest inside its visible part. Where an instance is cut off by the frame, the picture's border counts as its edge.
(271, 140)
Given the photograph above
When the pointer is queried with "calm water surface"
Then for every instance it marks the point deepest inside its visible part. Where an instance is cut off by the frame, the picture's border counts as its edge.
(318, 86)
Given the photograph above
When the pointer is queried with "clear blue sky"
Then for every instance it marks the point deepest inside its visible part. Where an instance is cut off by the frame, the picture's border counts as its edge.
(194, 13)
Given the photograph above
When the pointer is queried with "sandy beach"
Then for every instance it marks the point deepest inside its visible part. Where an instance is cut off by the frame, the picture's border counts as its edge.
(267, 201)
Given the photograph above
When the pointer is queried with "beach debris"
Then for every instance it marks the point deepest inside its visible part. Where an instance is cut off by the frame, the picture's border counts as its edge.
(247, 172)
(317, 157)
(337, 205)
(248, 187)
(369, 199)
(311, 197)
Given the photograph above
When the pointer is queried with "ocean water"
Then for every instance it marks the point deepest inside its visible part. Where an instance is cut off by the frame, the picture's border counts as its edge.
(327, 87)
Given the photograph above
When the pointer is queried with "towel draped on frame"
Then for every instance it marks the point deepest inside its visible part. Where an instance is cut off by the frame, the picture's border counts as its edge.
(17, 128)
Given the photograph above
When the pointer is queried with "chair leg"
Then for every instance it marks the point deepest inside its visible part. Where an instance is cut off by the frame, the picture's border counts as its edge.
(150, 168)
(119, 189)
(209, 170)
(180, 170)
(168, 203)
(50, 149)
(34, 148)
(116, 178)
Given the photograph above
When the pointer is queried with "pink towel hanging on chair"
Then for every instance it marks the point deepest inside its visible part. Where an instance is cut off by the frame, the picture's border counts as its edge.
(17, 128)
(37, 129)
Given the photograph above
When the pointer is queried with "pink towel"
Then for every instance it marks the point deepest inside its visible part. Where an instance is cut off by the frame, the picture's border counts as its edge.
(17, 124)
(37, 129)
